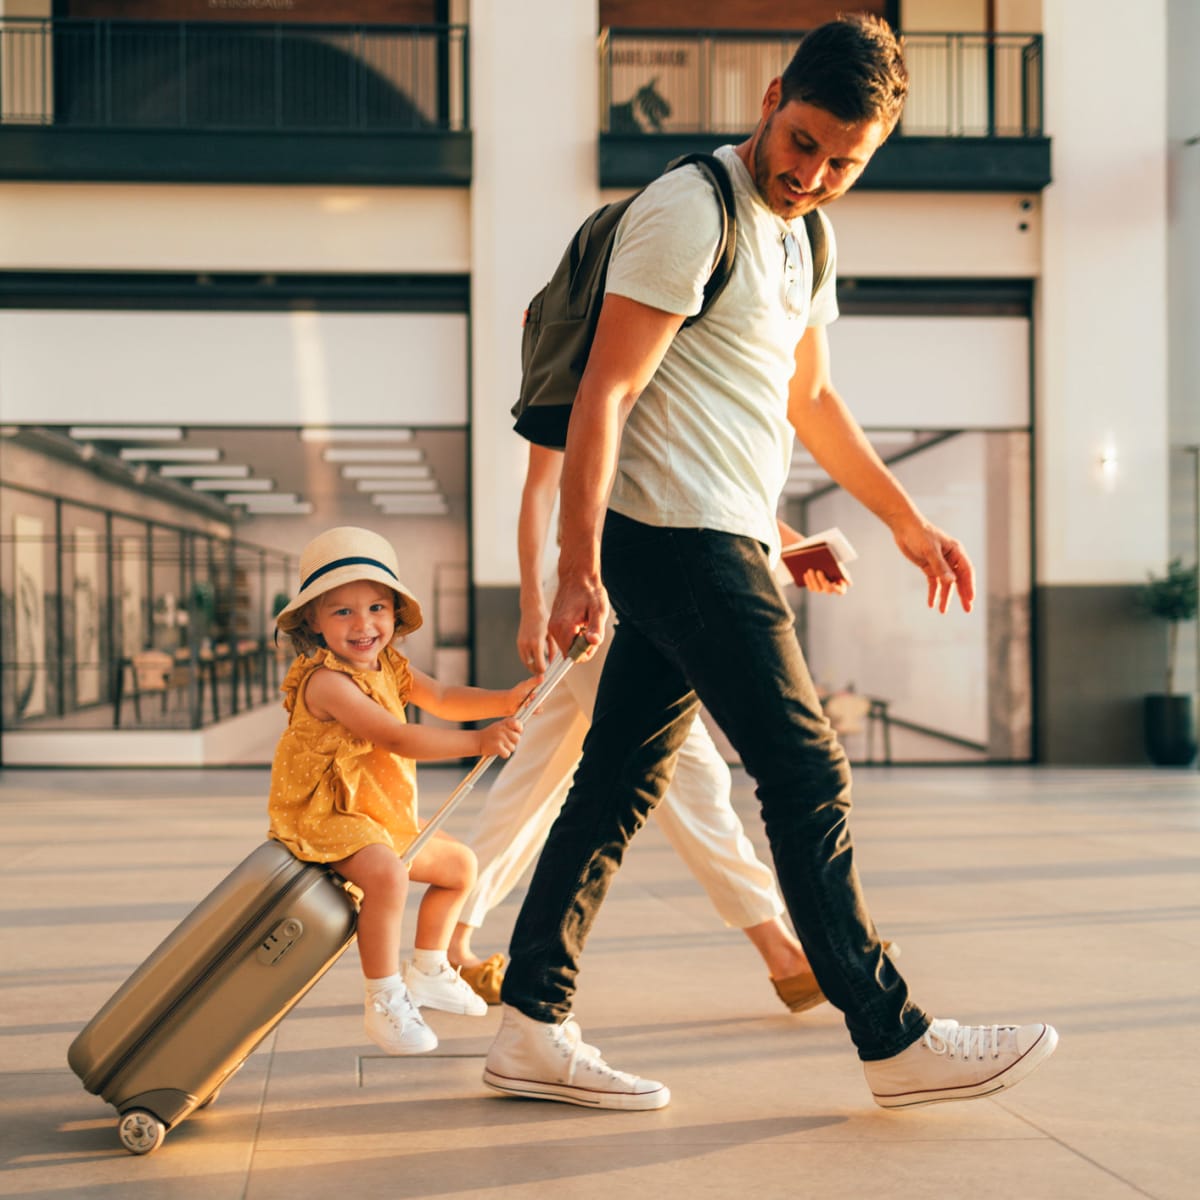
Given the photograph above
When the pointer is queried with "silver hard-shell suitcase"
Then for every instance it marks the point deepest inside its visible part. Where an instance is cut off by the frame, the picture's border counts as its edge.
(190, 1015)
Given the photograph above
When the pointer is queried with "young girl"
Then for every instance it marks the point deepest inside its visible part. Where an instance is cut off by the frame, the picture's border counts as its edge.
(343, 783)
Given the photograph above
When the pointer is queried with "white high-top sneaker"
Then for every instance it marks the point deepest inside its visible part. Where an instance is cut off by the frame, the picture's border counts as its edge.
(959, 1062)
(552, 1062)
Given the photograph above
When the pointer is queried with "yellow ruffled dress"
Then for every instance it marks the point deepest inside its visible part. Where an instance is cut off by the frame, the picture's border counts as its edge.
(333, 793)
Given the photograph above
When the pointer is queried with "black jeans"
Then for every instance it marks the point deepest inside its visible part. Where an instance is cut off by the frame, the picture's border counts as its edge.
(700, 616)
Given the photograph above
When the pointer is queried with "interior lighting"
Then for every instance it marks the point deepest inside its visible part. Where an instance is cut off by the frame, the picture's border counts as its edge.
(392, 485)
(201, 471)
(348, 454)
(298, 508)
(389, 487)
(375, 471)
(125, 433)
(395, 505)
(1108, 465)
(198, 454)
(240, 485)
(255, 498)
(359, 434)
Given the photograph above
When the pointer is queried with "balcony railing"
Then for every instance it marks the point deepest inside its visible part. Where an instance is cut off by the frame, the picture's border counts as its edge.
(253, 101)
(213, 76)
(973, 119)
(694, 81)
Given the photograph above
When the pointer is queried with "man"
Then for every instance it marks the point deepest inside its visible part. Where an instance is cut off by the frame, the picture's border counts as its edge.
(691, 430)
(696, 814)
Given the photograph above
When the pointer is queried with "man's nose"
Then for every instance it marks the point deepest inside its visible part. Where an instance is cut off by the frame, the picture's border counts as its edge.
(810, 172)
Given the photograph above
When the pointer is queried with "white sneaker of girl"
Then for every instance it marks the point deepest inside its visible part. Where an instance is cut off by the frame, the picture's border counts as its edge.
(446, 990)
(393, 1023)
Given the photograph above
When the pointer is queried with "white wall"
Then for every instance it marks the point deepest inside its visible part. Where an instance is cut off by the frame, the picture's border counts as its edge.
(533, 111)
(233, 368)
(933, 372)
(174, 227)
(1103, 317)
(947, 235)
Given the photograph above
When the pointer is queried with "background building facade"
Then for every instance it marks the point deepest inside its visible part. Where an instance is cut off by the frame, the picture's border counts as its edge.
(302, 238)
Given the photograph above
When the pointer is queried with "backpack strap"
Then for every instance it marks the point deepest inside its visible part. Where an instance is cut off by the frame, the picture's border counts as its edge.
(818, 243)
(718, 176)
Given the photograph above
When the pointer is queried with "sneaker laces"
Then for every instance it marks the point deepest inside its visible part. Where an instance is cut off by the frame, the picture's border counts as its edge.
(579, 1054)
(397, 1007)
(966, 1041)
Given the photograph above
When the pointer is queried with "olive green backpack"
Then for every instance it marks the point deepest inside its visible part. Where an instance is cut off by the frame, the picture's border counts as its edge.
(560, 322)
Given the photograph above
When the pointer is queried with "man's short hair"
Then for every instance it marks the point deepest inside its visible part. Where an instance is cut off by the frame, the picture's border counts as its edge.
(852, 67)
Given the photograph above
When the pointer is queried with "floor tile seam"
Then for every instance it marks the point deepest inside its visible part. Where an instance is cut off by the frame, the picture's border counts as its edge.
(659, 1136)
(261, 1106)
(14, 1072)
(1077, 1153)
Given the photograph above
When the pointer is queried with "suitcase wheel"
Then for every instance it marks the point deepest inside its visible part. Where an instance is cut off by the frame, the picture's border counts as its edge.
(140, 1131)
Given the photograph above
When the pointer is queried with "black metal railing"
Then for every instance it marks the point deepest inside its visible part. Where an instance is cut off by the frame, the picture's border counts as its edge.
(699, 81)
(202, 75)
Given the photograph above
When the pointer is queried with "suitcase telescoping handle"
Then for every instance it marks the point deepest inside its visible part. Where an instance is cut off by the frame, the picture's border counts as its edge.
(558, 668)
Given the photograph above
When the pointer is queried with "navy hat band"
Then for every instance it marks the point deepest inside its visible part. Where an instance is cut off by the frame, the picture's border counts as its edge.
(357, 561)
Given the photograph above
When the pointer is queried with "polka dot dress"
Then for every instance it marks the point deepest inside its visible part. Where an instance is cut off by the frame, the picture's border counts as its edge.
(333, 793)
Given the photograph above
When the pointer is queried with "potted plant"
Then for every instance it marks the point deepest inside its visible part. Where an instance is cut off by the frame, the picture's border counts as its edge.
(1170, 722)
(202, 609)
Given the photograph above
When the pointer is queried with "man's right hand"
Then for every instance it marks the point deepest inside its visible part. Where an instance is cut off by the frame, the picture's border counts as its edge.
(580, 606)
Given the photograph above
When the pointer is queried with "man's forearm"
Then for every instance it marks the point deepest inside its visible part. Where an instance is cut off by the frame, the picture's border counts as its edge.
(837, 442)
(589, 467)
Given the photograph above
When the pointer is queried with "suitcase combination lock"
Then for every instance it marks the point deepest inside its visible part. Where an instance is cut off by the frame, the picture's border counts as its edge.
(279, 941)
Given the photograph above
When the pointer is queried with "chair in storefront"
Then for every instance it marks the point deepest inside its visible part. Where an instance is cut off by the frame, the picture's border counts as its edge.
(150, 673)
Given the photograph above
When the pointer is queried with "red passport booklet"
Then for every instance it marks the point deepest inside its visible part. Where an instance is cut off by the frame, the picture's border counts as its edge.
(828, 551)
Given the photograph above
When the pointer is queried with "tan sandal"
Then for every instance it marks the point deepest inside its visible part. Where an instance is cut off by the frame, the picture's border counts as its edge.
(486, 977)
(799, 992)
(802, 992)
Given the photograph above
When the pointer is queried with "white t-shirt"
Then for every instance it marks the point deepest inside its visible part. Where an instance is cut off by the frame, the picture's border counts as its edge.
(708, 444)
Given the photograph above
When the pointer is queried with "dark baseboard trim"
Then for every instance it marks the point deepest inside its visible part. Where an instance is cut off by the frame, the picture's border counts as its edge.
(234, 291)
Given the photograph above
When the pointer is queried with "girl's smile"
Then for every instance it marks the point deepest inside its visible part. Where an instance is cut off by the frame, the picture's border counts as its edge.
(357, 621)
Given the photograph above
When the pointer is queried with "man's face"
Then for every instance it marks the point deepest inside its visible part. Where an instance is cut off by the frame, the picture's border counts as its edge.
(804, 156)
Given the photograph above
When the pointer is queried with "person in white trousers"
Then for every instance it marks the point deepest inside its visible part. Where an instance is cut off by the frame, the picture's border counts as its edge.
(696, 814)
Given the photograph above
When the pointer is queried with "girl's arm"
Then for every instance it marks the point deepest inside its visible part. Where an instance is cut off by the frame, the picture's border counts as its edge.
(455, 703)
(332, 696)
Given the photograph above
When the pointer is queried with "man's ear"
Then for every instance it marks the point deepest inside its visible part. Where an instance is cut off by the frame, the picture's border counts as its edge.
(771, 97)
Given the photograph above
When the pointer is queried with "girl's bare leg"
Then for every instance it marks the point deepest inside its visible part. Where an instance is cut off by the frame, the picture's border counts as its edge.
(381, 877)
(448, 866)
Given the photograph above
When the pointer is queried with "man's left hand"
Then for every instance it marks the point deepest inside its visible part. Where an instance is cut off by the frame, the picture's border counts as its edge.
(943, 561)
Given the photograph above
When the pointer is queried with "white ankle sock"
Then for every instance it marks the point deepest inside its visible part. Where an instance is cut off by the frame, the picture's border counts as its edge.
(387, 984)
(429, 962)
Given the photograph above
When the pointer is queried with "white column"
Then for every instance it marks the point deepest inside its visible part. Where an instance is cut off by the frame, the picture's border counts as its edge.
(534, 117)
(1102, 408)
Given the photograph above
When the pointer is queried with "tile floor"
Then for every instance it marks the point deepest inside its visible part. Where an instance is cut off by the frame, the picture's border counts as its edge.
(1016, 894)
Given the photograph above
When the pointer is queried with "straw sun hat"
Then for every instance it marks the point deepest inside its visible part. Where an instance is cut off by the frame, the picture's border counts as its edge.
(346, 555)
